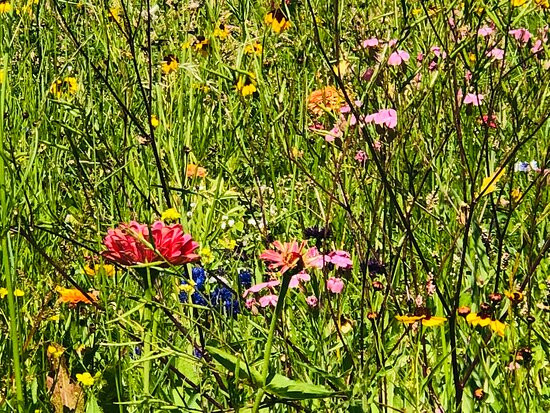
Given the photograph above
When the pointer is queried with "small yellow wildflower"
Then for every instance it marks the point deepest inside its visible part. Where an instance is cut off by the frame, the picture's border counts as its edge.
(62, 87)
(170, 214)
(5, 6)
(18, 293)
(108, 269)
(193, 171)
(277, 20)
(516, 194)
(86, 379)
(201, 45)
(416, 12)
(254, 48)
(221, 32)
(514, 296)
(206, 255)
(427, 321)
(247, 85)
(498, 327)
(472, 57)
(489, 184)
(169, 64)
(228, 244)
(54, 317)
(55, 350)
(517, 3)
(154, 121)
(3, 292)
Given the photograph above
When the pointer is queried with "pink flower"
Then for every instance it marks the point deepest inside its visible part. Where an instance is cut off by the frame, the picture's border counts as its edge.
(386, 117)
(491, 122)
(335, 285)
(312, 301)
(485, 31)
(468, 76)
(398, 57)
(496, 53)
(360, 156)
(419, 57)
(297, 278)
(290, 254)
(473, 99)
(392, 42)
(259, 287)
(339, 258)
(131, 244)
(521, 35)
(537, 47)
(372, 42)
(436, 50)
(432, 66)
(249, 303)
(270, 299)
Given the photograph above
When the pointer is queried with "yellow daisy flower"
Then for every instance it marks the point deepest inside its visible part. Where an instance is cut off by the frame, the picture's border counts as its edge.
(277, 20)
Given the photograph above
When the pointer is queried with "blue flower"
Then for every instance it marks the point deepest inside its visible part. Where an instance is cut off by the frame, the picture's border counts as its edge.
(223, 298)
(245, 278)
(521, 167)
(199, 276)
(198, 299)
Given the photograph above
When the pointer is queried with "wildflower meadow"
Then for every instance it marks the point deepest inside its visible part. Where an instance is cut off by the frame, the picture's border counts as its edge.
(274, 206)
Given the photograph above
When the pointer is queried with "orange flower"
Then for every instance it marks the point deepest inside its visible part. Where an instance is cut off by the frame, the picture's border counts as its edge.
(73, 296)
(195, 171)
(323, 100)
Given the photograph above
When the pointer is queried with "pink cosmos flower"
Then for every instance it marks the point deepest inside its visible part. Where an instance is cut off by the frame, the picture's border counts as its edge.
(398, 57)
(297, 278)
(473, 99)
(259, 287)
(270, 299)
(339, 258)
(372, 42)
(360, 156)
(335, 285)
(312, 301)
(384, 117)
(496, 53)
(290, 254)
(485, 31)
(131, 244)
(521, 35)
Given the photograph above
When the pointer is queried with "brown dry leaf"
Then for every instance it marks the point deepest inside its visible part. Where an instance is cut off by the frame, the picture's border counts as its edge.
(65, 393)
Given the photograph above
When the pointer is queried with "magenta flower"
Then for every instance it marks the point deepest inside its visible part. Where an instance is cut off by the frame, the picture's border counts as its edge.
(521, 35)
(384, 117)
(473, 99)
(335, 285)
(259, 287)
(339, 258)
(270, 299)
(360, 156)
(298, 278)
(398, 57)
(132, 244)
(312, 301)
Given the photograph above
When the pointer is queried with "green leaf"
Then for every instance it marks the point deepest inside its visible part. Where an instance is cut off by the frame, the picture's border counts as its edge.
(230, 362)
(92, 406)
(282, 386)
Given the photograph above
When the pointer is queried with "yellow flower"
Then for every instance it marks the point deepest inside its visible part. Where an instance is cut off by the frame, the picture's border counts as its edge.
(516, 194)
(62, 87)
(341, 68)
(514, 296)
(54, 317)
(247, 85)
(193, 171)
(277, 20)
(476, 319)
(221, 31)
(498, 327)
(489, 184)
(108, 269)
(228, 244)
(472, 57)
(2, 75)
(517, 3)
(55, 350)
(169, 64)
(416, 12)
(86, 379)
(114, 15)
(427, 321)
(18, 293)
(254, 48)
(170, 214)
(206, 255)
(409, 319)
(545, 4)
(433, 321)
(3, 292)
(154, 121)
(201, 45)
(5, 6)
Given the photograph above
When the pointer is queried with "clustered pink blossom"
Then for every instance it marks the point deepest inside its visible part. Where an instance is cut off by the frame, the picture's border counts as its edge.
(134, 243)
(312, 301)
(360, 156)
(339, 258)
(521, 35)
(496, 53)
(335, 285)
(485, 31)
(398, 57)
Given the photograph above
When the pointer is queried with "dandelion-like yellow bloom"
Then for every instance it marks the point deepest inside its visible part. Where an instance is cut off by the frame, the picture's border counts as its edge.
(170, 214)
(246, 85)
(5, 6)
(154, 121)
(86, 379)
(3, 292)
(221, 32)
(277, 20)
(254, 48)
(18, 293)
(64, 87)
(55, 350)
(169, 64)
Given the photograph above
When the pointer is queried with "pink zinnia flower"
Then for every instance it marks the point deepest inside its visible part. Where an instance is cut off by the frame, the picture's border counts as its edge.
(335, 285)
(386, 117)
(398, 57)
(312, 301)
(372, 42)
(339, 258)
(473, 99)
(270, 299)
(521, 35)
(485, 31)
(131, 244)
(259, 287)
(290, 254)
(297, 278)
